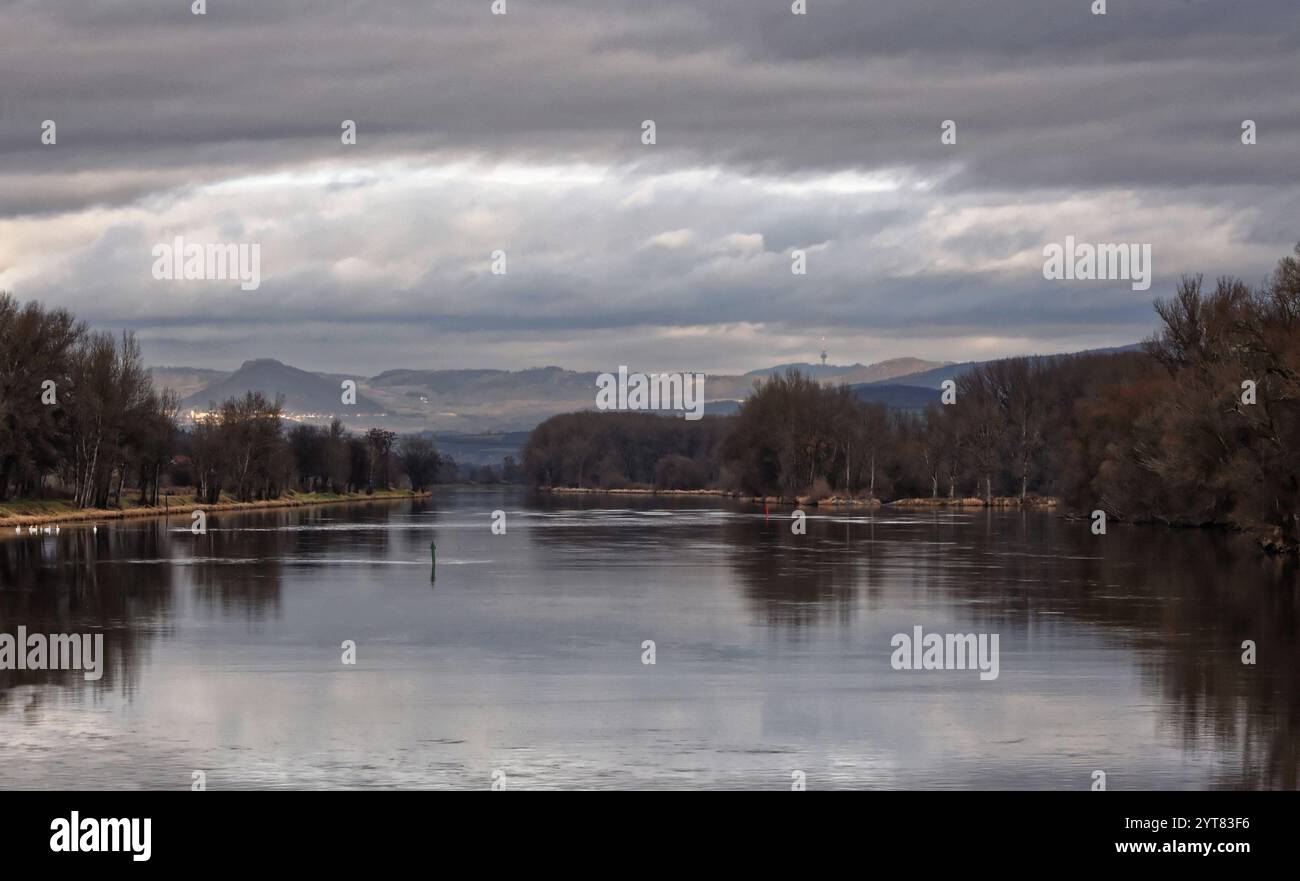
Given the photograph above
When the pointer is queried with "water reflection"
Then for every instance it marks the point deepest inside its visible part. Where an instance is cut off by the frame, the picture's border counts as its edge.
(1182, 601)
(222, 649)
(237, 573)
(71, 583)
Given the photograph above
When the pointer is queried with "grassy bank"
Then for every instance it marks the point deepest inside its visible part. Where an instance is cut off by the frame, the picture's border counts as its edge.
(34, 512)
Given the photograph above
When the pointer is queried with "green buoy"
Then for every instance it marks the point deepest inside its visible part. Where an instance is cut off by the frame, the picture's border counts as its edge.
(433, 560)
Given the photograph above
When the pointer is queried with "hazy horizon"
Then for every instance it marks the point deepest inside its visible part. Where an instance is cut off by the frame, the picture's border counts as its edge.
(739, 371)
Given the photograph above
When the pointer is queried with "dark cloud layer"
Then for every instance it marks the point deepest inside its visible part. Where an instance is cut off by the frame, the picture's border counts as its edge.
(775, 132)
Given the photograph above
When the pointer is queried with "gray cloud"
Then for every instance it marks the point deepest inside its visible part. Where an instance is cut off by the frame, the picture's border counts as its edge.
(522, 132)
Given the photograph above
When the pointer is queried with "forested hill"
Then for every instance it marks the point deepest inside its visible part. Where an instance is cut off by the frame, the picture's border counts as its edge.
(935, 377)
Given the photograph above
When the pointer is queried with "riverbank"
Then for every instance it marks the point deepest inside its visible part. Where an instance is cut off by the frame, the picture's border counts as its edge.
(1269, 538)
(974, 502)
(830, 501)
(37, 512)
(638, 491)
(648, 491)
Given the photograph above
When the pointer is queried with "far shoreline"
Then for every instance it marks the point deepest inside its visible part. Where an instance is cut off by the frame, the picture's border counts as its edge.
(1045, 502)
(182, 506)
(1267, 540)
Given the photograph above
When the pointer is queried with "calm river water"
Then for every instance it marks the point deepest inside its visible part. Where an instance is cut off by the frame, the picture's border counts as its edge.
(1120, 653)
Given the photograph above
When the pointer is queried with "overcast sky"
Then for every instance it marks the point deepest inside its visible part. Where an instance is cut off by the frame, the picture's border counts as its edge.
(522, 133)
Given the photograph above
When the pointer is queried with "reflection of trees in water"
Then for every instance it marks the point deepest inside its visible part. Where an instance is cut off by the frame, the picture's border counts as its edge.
(1206, 595)
(79, 582)
(792, 579)
(795, 581)
(118, 582)
(1185, 600)
(239, 564)
(1182, 600)
(421, 512)
(237, 568)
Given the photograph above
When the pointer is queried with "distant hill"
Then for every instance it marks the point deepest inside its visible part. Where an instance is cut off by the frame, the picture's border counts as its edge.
(481, 449)
(488, 403)
(721, 408)
(935, 378)
(508, 384)
(819, 371)
(303, 392)
(853, 373)
(469, 401)
(897, 397)
(461, 402)
(185, 381)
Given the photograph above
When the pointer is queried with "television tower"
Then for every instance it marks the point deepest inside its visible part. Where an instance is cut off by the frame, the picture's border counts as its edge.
(823, 351)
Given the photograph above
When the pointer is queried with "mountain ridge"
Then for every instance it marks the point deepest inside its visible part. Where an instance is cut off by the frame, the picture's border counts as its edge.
(472, 400)
(311, 393)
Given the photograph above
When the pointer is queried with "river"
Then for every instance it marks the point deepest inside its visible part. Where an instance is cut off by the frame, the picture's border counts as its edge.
(524, 660)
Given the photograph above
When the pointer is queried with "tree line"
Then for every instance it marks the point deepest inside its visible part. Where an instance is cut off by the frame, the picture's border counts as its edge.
(1200, 427)
(243, 450)
(77, 405)
(610, 450)
(80, 418)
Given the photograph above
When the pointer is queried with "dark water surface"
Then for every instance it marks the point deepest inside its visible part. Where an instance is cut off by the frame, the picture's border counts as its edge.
(1119, 653)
